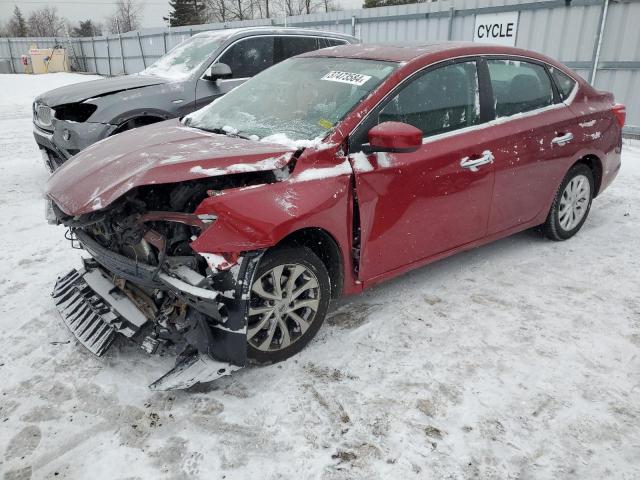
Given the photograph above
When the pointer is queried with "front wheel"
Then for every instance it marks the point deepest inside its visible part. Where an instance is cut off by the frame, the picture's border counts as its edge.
(289, 300)
(571, 204)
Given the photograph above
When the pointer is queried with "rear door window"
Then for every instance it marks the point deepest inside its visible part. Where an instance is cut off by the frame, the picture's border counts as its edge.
(330, 42)
(563, 81)
(519, 86)
(287, 47)
(438, 101)
(250, 56)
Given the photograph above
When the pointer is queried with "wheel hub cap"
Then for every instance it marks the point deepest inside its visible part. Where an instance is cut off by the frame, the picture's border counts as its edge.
(574, 202)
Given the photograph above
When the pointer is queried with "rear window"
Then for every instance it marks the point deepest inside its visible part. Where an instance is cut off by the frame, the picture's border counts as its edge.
(563, 81)
(519, 86)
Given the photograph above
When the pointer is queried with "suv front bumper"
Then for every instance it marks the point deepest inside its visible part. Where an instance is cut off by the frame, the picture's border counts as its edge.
(68, 138)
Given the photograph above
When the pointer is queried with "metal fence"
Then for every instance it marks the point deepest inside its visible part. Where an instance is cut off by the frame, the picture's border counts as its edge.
(598, 39)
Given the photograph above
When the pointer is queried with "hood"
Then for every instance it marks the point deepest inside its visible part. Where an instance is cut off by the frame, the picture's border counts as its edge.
(166, 152)
(78, 92)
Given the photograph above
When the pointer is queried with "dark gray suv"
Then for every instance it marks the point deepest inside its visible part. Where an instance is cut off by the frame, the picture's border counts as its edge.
(190, 76)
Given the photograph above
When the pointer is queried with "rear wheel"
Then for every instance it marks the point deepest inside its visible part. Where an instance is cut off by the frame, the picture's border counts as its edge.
(571, 204)
(289, 300)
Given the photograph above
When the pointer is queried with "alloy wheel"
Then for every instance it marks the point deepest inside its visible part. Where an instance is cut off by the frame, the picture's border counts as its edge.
(284, 304)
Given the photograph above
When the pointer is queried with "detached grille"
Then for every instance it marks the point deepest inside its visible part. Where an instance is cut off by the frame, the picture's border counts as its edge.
(43, 116)
(88, 317)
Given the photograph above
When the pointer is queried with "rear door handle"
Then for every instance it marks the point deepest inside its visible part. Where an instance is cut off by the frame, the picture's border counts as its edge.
(473, 163)
(562, 139)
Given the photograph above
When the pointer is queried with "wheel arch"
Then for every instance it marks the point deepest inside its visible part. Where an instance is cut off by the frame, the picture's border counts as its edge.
(595, 165)
(326, 247)
(139, 120)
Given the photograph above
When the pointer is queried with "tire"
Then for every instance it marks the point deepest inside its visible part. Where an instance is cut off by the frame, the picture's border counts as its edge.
(571, 204)
(271, 311)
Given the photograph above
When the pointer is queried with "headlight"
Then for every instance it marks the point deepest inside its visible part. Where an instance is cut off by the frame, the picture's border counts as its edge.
(43, 115)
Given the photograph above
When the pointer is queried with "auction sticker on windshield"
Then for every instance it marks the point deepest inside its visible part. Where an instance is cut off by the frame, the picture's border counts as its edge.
(346, 77)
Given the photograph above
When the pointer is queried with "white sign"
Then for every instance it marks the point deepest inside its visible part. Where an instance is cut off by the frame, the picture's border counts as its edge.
(496, 28)
(346, 77)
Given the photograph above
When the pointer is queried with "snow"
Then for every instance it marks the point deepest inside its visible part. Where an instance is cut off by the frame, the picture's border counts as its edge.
(361, 162)
(515, 360)
(272, 163)
(283, 139)
(343, 168)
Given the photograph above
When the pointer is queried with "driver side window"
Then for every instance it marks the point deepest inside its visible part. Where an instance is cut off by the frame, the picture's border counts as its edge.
(249, 56)
(439, 101)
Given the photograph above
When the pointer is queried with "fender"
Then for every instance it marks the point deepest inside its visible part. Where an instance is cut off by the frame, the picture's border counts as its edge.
(258, 217)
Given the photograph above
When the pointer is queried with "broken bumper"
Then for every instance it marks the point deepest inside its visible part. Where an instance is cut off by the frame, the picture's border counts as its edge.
(95, 310)
(65, 139)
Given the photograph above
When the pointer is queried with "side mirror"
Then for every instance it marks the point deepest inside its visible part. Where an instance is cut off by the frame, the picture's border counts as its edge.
(395, 137)
(218, 71)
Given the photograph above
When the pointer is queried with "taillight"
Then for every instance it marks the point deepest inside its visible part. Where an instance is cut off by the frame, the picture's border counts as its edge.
(620, 111)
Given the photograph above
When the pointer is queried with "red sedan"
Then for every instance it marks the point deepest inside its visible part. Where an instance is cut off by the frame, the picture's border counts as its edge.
(224, 234)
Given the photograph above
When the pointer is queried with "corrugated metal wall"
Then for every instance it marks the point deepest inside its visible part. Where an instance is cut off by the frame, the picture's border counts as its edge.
(567, 33)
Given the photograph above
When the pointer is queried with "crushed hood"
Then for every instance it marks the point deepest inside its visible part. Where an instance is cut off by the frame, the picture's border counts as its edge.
(166, 152)
(78, 92)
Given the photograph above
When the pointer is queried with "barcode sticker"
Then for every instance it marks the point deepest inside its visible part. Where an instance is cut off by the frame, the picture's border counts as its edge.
(346, 77)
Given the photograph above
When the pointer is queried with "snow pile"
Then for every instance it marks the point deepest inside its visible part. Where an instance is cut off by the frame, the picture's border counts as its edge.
(273, 163)
(283, 139)
(515, 360)
(361, 162)
(324, 172)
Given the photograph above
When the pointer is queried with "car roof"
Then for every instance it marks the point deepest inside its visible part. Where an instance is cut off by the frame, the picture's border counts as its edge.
(407, 52)
(250, 31)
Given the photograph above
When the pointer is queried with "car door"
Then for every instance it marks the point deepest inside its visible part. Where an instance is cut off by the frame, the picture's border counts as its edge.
(246, 57)
(533, 140)
(413, 206)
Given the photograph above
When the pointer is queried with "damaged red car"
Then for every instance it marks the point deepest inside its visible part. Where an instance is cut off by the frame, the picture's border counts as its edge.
(224, 235)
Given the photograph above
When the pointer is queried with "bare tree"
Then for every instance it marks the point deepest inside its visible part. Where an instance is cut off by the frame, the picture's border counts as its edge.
(217, 11)
(300, 7)
(126, 17)
(239, 9)
(330, 6)
(45, 22)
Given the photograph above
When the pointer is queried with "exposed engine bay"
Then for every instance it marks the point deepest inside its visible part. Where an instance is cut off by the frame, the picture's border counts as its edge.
(145, 281)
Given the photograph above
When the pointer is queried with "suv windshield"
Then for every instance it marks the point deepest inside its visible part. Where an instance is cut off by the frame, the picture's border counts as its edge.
(298, 99)
(185, 57)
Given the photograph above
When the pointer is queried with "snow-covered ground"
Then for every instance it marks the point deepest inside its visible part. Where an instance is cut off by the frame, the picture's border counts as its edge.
(516, 360)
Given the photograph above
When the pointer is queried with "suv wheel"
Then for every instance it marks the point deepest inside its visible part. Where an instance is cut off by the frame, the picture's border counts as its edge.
(289, 300)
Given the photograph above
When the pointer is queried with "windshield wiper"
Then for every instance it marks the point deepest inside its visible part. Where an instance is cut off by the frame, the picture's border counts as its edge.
(222, 131)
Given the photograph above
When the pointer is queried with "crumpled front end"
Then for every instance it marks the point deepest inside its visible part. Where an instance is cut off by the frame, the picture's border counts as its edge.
(144, 281)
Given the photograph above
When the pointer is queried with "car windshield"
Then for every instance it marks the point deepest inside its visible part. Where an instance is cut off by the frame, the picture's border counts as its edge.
(298, 99)
(185, 57)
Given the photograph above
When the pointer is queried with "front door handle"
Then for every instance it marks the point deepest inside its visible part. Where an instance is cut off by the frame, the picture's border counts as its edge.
(562, 139)
(473, 163)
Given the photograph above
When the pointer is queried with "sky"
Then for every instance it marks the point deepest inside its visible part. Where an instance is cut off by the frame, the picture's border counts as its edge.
(76, 10)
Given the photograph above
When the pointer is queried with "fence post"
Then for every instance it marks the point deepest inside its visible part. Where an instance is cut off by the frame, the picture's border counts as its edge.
(13, 67)
(164, 40)
(124, 69)
(144, 62)
(452, 12)
(84, 58)
(353, 26)
(598, 42)
(93, 52)
(109, 56)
